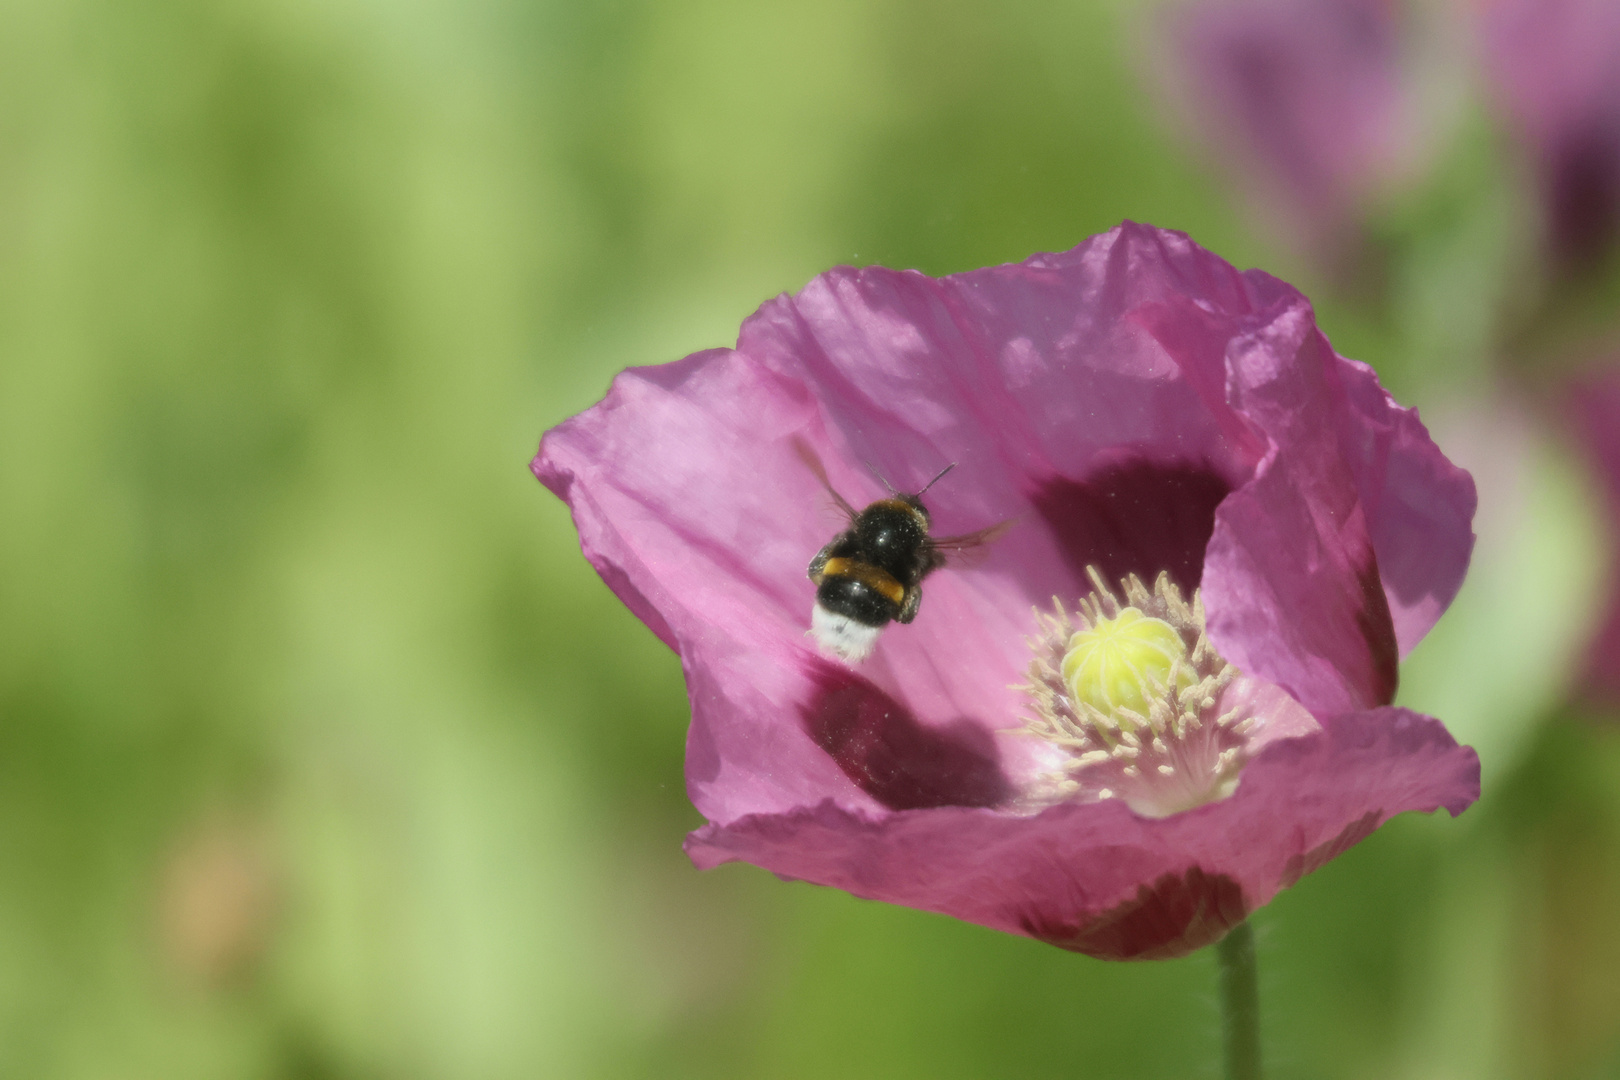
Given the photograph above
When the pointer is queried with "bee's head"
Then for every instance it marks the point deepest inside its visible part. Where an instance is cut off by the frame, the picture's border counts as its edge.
(915, 503)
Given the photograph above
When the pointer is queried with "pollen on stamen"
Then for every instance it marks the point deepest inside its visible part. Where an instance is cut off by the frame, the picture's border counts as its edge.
(1127, 692)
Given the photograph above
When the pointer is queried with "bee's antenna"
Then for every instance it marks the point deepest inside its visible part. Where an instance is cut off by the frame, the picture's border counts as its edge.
(871, 468)
(936, 479)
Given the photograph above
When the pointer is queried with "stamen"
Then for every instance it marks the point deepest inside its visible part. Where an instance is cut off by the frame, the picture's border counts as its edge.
(1127, 692)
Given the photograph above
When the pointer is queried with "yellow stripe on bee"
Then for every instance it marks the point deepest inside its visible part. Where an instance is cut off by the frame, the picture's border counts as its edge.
(874, 577)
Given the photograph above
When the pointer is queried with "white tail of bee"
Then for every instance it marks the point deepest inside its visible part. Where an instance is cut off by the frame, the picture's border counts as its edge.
(842, 636)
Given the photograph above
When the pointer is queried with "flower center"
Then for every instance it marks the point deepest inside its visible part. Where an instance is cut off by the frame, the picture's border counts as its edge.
(1119, 665)
(1135, 703)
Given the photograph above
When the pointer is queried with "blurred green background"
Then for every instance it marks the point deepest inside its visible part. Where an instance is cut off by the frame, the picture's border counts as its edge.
(323, 754)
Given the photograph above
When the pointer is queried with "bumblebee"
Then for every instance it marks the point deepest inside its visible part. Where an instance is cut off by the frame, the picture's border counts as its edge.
(871, 573)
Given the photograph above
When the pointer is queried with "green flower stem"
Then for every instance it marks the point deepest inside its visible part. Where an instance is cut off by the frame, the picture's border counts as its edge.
(1240, 1003)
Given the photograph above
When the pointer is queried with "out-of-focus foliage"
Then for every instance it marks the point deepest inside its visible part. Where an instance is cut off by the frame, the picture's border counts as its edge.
(322, 752)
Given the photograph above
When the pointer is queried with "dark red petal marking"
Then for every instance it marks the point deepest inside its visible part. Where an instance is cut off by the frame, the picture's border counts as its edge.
(893, 757)
(1137, 517)
(1175, 915)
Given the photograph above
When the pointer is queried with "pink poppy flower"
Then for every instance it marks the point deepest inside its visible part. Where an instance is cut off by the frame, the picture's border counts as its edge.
(1240, 530)
(1555, 67)
(1310, 102)
(1593, 401)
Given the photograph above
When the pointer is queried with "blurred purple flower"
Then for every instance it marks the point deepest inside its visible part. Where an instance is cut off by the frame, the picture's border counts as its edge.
(1307, 100)
(1140, 408)
(1594, 402)
(1555, 67)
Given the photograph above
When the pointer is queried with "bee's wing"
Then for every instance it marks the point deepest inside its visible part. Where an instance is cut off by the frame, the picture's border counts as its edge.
(965, 547)
(813, 463)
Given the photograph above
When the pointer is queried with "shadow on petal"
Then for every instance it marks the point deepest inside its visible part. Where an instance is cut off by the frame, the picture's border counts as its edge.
(891, 755)
(1135, 517)
(1378, 628)
(1175, 915)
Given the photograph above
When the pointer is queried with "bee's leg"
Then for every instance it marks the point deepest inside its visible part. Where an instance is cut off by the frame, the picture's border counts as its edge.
(909, 606)
(819, 562)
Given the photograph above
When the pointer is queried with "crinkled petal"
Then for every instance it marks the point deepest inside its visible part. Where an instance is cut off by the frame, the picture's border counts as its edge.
(1102, 880)
(1419, 507)
(1354, 533)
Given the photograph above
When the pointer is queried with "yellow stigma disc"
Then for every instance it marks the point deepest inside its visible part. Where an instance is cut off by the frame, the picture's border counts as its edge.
(1125, 662)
